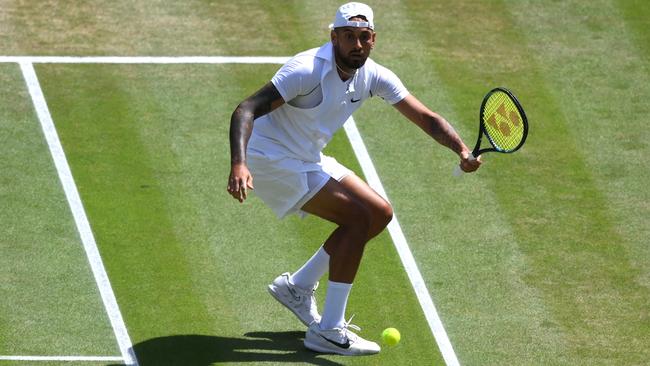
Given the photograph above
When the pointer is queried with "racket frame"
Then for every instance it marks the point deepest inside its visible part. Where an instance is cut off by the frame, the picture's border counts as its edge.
(482, 130)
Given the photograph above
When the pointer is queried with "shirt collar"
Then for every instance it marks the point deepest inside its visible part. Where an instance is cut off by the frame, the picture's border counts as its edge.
(326, 52)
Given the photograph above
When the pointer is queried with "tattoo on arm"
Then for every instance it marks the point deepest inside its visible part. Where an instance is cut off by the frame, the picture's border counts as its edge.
(431, 123)
(241, 127)
(443, 132)
(262, 102)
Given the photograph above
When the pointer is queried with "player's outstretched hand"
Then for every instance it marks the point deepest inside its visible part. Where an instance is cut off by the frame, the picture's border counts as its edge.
(468, 163)
(240, 181)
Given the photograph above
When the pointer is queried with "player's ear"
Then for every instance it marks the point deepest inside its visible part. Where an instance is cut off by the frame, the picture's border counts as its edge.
(333, 37)
(373, 38)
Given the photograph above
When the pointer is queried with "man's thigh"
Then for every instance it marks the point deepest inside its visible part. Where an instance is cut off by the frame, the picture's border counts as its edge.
(363, 192)
(345, 201)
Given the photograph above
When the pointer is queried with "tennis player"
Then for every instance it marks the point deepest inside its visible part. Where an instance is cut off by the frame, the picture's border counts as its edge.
(276, 138)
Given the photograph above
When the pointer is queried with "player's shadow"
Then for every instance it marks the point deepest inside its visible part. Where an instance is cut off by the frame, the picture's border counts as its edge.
(203, 350)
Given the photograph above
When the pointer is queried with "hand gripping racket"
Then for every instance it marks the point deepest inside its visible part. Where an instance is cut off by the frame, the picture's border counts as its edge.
(503, 121)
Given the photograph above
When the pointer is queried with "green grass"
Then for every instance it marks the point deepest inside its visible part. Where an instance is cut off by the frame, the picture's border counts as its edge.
(169, 233)
(46, 285)
(539, 258)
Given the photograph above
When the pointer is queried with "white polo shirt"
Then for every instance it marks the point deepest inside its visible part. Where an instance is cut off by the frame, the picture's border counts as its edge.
(317, 103)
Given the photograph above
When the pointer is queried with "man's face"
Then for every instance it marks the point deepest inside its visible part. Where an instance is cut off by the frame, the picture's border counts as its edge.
(352, 45)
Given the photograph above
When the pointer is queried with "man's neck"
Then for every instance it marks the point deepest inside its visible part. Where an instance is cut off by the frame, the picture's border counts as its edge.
(344, 73)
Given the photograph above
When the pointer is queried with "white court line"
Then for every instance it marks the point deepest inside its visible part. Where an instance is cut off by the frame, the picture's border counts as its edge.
(144, 59)
(61, 358)
(79, 214)
(395, 230)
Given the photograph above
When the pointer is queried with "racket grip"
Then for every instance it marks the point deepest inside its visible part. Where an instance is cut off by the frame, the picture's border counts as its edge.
(458, 171)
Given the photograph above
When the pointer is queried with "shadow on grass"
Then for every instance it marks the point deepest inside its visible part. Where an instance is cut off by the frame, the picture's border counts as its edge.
(202, 350)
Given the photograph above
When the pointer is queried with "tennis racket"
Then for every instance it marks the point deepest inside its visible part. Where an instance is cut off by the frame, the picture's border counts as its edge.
(503, 121)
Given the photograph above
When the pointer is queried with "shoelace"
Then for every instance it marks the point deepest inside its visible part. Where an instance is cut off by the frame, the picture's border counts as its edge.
(351, 336)
(302, 291)
(349, 324)
(313, 304)
(308, 295)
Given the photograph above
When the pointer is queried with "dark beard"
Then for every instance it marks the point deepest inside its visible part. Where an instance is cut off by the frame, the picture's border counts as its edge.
(346, 62)
(352, 64)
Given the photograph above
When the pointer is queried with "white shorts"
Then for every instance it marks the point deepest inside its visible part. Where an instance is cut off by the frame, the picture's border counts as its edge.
(286, 184)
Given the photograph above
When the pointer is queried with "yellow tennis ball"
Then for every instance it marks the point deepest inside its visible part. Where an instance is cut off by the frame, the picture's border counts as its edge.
(390, 336)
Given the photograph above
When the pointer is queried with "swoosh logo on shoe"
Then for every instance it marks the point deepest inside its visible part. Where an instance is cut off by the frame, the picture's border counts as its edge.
(345, 345)
(293, 293)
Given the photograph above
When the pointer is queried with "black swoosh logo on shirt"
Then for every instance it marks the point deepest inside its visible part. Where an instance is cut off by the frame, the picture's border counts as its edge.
(354, 101)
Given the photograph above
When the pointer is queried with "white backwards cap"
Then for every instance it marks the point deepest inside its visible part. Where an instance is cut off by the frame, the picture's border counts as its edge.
(350, 10)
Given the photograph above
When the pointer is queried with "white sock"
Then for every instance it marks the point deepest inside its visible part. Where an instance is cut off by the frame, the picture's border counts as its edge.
(335, 302)
(310, 272)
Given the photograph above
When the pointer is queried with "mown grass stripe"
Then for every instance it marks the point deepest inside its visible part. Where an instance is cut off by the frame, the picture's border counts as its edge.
(46, 284)
(123, 27)
(463, 241)
(636, 14)
(598, 76)
(399, 240)
(567, 201)
(79, 214)
(560, 218)
(104, 126)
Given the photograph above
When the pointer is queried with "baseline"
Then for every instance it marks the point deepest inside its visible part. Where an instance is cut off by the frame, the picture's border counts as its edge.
(63, 358)
(143, 59)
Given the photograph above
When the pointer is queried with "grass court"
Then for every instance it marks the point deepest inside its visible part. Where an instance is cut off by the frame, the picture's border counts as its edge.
(541, 258)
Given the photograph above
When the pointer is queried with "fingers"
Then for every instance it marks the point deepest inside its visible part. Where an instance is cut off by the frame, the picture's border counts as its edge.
(237, 190)
(238, 187)
(243, 192)
(233, 187)
(470, 164)
(245, 187)
(465, 155)
(476, 163)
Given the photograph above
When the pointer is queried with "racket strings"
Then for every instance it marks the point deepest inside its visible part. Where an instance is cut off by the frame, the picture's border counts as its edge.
(504, 124)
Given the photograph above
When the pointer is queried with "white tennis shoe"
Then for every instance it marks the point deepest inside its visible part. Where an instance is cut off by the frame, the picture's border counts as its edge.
(341, 341)
(301, 302)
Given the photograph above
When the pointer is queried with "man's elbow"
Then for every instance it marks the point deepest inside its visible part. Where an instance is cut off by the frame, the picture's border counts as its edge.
(243, 109)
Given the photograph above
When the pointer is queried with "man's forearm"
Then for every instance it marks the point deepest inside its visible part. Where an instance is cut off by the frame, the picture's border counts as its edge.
(241, 127)
(241, 122)
(444, 133)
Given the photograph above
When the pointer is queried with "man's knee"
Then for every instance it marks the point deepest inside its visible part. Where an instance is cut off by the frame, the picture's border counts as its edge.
(359, 216)
(384, 214)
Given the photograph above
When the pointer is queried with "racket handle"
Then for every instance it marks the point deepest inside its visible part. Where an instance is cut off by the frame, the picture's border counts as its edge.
(458, 171)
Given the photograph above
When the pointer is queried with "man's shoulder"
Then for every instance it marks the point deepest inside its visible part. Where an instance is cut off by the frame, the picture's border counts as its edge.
(374, 68)
(302, 73)
(306, 62)
(323, 52)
